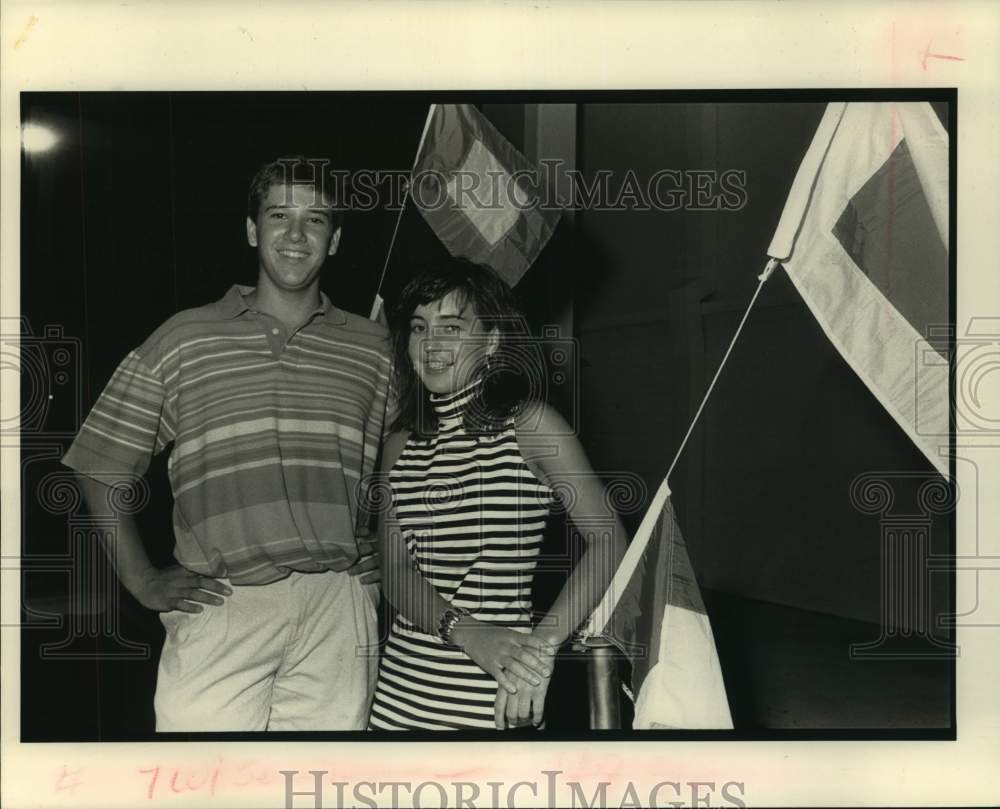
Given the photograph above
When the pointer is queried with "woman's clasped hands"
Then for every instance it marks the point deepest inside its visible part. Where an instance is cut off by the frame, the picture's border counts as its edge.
(521, 663)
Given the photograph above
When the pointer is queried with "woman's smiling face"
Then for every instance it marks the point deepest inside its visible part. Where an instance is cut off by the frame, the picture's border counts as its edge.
(448, 345)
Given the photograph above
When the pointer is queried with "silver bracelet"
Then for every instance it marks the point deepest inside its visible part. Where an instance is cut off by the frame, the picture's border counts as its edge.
(449, 619)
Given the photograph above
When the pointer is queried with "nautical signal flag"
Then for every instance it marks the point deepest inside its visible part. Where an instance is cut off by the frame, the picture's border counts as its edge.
(485, 201)
(864, 238)
(654, 613)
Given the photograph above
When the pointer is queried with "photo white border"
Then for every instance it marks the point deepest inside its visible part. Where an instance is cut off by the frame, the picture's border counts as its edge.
(536, 45)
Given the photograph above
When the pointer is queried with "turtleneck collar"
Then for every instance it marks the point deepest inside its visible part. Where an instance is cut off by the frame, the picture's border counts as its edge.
(452, 405)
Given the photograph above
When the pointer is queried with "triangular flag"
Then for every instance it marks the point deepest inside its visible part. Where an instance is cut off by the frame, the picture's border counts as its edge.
(654, 613)
(485, 201)
(864, 238)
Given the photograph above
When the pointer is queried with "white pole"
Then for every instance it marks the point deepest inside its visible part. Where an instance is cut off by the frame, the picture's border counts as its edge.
(599, 618)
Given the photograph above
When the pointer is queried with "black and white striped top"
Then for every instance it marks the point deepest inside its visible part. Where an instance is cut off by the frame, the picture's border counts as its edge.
(472, 514)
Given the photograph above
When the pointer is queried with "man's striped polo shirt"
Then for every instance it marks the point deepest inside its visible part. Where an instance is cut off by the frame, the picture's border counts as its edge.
(272, 433)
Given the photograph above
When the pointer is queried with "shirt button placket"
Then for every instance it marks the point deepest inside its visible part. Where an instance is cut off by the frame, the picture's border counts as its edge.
(277, 343)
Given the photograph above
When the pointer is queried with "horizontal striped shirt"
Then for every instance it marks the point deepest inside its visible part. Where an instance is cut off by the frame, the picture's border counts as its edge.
(271, 432)
(472, 514)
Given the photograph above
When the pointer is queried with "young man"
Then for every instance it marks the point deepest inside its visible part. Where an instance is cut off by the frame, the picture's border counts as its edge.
(274, 402)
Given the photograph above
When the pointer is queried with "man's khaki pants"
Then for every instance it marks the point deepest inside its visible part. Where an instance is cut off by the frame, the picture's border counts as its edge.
(296, 654)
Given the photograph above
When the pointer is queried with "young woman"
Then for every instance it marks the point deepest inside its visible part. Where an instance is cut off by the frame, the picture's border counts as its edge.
(475, 465)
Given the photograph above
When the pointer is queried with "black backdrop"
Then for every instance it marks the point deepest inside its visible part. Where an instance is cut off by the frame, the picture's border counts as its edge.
(139, 212)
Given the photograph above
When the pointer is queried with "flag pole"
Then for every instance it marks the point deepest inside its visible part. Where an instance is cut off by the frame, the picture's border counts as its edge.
(599, 618)
(772, 264)
(377, 303)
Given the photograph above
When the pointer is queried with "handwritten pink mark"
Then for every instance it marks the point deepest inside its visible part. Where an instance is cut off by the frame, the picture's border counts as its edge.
(928, 55)
(68, 780)
(209, 777)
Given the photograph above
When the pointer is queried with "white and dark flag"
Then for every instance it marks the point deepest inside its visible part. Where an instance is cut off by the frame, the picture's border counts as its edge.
(864, 238)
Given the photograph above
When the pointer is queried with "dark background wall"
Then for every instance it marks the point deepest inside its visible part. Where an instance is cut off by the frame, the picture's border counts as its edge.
(763, 489)
(139, 212)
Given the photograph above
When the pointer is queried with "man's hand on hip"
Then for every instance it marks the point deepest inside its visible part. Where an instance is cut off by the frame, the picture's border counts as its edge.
(177, 588)
(367, 565)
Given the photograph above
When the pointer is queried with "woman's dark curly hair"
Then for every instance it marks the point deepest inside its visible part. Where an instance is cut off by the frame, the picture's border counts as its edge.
(511, 377)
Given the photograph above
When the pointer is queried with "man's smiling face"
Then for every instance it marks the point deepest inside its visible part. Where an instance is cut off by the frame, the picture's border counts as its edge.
(293, 234)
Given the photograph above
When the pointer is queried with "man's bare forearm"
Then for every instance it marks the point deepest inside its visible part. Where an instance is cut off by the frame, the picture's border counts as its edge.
(129, 557)
(171, 588)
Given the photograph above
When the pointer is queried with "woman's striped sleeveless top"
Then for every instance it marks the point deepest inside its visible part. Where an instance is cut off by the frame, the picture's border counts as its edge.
(473, 515)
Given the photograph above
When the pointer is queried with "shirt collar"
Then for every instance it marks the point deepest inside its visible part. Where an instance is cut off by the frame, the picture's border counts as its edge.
(234, 303)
